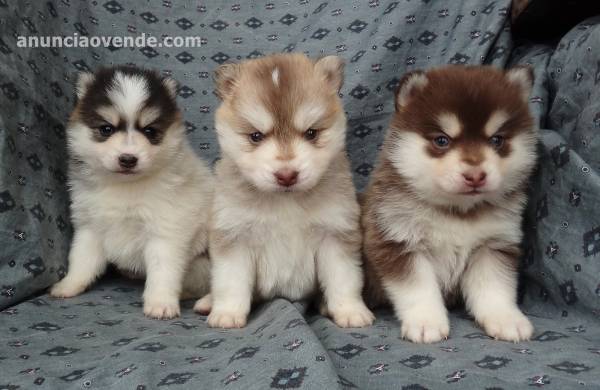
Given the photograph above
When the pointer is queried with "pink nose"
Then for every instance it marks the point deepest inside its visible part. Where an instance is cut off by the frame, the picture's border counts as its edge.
(474, 178)
(286, 177)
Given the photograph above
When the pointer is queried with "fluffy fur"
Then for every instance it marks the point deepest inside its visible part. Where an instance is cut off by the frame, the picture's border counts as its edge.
(285, 218)
(442, 215)
(140, 196)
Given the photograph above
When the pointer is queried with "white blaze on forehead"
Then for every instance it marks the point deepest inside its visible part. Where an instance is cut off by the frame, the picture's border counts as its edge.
(307, 114)
(450, 124)
(275, 77)
(257, 115)
(128, 94)
(497, 119)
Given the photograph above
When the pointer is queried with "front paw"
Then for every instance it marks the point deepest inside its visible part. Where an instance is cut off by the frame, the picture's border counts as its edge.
(427, 328)
(67, 289)
(507, 324)
(226, 319)
(203, 305)
(350, 315)
(162, 310)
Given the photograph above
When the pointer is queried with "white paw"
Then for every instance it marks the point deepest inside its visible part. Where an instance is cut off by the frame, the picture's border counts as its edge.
(226, 319)
(162, 310)
(350, 315)
(508, 324)
(429, 327)
(203, 305)
(67, 289)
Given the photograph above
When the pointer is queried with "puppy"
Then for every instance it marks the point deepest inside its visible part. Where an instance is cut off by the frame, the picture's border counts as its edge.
(442, 214)
(140, 196)
(285, 219)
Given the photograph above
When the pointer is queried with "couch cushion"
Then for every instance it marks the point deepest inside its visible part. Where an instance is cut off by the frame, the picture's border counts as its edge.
(101, 339)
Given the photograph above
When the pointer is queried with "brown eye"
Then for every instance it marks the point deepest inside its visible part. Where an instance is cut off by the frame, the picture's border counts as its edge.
(256, 137)
(310, 134)
(149, 132)
(106, 130)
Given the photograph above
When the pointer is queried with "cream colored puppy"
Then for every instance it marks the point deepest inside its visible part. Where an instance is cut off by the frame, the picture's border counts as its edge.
(285, 217)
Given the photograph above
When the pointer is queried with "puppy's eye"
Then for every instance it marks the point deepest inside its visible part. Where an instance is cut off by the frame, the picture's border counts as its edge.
(497, 141)
(441, 141)
(106, 130)
(149, 132)
(310, 134)
(256, 137)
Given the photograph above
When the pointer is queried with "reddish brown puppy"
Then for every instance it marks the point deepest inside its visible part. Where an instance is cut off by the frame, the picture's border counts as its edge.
(443, 211)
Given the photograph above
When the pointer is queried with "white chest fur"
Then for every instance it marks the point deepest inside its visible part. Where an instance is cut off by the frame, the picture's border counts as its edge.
(120, 219)
(448, 241)
(282, 240)
(125, 228)
(126, 217)
(285, 263)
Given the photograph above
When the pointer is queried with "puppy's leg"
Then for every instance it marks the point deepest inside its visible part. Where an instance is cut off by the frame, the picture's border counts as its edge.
(203, 305)
(340, 275)
(86, 263)
(196, 282)
(418, 302)
(165, 267)
(233, 276)
(489, 286)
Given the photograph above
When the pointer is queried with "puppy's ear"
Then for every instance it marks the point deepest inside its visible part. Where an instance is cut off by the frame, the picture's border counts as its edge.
(225, 77)
(171, 85)
(84, 80)
(333, 69)
(411, 83)
(523, 77)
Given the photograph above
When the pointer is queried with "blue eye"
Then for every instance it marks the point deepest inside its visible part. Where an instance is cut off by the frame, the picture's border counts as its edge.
(106, 130)
(497, 141)
(441, 141)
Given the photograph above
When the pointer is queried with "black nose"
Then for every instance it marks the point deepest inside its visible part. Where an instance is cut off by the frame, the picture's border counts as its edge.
(127, 161)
